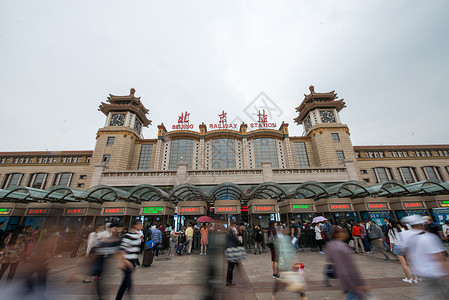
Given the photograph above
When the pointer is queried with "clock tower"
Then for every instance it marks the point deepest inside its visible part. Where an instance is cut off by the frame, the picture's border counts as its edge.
(318, 113)
(125, 118)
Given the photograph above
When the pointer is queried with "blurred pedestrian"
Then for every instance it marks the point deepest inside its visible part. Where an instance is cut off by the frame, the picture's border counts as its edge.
(232, 244)
(364, 236)
(14, 252)
(397, 247)
(377, 240)
(319, 237)
(426, 254)
(156, 237)
(273, 244)
(351, 282)
(433, 227)
(147, 252)
(204, 238)
(173, 242)
(356, 235)
(295, 233)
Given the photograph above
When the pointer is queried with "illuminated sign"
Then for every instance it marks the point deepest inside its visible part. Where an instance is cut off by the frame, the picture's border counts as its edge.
(302, 207)
(183, 122)
(75, 211)
(377, 206)
(244, 208)
(341, 207)
(413, 204)
(153, 210)
(5, 211)
(190, 210)
(444, 203)
(226, 209)
(36, 211)
(114, 211)
(265, 208)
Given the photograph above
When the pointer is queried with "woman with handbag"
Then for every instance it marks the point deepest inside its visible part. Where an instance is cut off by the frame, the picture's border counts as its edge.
(273, 244)
(233, 253)
(148, 252)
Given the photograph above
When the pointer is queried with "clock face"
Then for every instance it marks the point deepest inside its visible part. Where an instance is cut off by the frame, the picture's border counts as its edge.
(117, 120)
(137, 126)
(327, 116)
(307, 124)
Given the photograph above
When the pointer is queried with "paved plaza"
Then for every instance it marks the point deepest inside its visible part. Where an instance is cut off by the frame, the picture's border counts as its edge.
(183, 277)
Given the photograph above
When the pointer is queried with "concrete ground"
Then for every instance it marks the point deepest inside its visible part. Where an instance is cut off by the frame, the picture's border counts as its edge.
(184, 277)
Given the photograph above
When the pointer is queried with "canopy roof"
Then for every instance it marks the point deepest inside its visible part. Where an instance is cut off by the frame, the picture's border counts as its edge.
(188, 192)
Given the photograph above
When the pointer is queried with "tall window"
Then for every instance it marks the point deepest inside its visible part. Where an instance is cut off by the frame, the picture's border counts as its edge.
(335, 137)
(301, 155)
(181, 150)
(63, 179)
(110, 141)
(145, 157)
(408, 175)
(12, 180)
(223, 154)
(382, 174)
(340, 155)
(265, 150)
(37, 180)
(433, 173)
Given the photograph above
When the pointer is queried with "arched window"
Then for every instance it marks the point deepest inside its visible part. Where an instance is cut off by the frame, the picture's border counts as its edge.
(223, 154)
(180, 151)
(265, 150)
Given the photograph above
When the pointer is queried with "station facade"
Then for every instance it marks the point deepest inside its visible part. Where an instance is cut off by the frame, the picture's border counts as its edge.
(252, 172)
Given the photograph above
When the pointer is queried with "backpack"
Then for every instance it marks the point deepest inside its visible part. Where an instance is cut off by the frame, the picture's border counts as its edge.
(150, 245)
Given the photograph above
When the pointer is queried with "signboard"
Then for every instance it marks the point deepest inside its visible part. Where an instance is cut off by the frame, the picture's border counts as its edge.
(114, 211)
(190, 210)
(441, 214)
(5, 211)
(153, 210)
(302, 207)
(444, 203)
(223, 123)
(421, 212)
(183, 122)
(342, 206)
(412, 205)
(226, 209)
(263, 121)
(265, 208)
(36, 211)
(75, 211)
(377, 206)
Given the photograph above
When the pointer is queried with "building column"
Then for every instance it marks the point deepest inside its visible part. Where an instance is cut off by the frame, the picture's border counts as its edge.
(96, 175)
(267, 171)
(350, 168)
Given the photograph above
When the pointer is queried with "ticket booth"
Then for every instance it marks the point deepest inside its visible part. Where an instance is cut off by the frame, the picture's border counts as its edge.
(261, 211)
(157, 212)
(408, 206)
(337, 210)
(11, 213)
(43, 214)
(188, 212)
(298, 209)
(227, 210)
(376, 209)
(121, 212)
(439, 207)
(80, 213)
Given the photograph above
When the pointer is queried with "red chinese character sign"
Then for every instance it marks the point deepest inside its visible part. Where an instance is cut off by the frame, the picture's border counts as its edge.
(341, 206)
(263, 121)
(75, 211)
(113, 211)
(265, 209)
(223, 123)
(377, 206)
(227, 210)
(191, 210)
(183, 122)
(413, 205)
(36, 211)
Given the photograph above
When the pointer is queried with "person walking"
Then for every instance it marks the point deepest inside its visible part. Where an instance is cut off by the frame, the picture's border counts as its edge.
(204, 238)
(397, 247)
(338, 253)
(189, 238)
(273, 244)
(364, 237)
(148, 253)
(377, 240)
(319, 237)
(258, 239)
(156, 236)
(173, 239)
(13, 253)
(130, 248)
(426, 254)
(295, 233)
(231, 242)
(356, 235)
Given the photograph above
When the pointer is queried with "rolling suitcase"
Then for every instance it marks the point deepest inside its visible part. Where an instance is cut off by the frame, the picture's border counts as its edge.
(181, 249)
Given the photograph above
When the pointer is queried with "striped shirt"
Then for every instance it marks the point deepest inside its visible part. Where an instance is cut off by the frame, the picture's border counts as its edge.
(131, 245)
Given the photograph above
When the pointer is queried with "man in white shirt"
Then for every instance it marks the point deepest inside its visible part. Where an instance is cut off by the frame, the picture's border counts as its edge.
(425, 253)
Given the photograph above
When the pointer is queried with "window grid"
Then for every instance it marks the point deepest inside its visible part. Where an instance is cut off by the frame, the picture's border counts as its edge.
(265, 150)
(335, 137)
(13, 179)
(110, 141)
(340, 155)
(432, 173)
(64, 179)
(178, 149)
(301, 155)
(37, 181)
(223, 154)
(145, 157)
(408, 175)
(382, 174)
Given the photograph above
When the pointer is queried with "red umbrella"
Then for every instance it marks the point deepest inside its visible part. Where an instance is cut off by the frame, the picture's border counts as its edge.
(205, 219)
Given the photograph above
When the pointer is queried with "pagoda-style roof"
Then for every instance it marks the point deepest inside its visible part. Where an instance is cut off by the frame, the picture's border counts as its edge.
(126, 103)
(317, 100)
